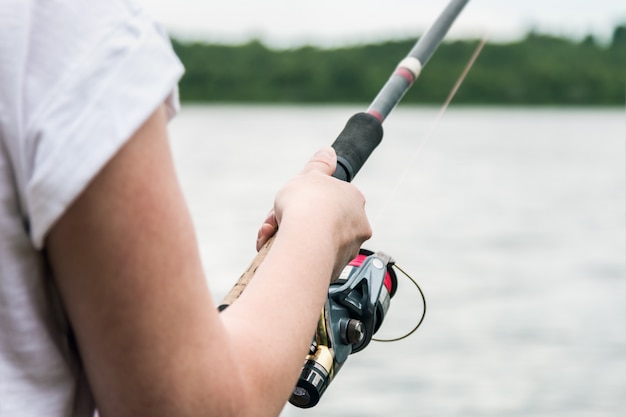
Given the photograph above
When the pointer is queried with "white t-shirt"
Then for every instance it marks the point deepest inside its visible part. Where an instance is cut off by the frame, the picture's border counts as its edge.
(77, 78)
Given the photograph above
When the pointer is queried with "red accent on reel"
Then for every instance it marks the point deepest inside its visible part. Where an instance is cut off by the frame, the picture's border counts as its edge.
(390, 281)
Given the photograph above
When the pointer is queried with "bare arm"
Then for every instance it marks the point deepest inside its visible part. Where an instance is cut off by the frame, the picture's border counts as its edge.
(126, 262)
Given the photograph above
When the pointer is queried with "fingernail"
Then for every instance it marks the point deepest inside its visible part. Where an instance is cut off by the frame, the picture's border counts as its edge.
(326, 153)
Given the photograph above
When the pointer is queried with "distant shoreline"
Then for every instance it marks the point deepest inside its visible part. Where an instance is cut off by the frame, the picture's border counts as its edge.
(538, 70)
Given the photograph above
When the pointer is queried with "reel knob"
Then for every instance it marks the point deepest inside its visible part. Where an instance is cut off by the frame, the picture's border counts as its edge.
(352, 331)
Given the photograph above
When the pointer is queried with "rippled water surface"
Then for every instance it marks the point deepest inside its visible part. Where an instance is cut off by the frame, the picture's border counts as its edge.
(512, 220)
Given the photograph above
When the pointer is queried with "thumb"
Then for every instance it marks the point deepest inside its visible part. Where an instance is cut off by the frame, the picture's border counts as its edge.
(324, 161)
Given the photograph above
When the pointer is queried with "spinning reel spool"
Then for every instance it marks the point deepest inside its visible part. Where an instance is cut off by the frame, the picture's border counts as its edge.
(354, 311)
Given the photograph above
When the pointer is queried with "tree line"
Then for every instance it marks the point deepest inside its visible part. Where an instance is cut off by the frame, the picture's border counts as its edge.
(537, 70)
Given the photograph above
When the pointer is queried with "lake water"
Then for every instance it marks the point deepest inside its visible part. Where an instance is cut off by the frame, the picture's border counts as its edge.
(512, 221)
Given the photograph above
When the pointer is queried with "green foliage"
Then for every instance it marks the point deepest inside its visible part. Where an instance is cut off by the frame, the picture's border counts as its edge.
(540, 69)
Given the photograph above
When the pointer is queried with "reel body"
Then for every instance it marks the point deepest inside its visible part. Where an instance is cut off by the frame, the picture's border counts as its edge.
(354, 310)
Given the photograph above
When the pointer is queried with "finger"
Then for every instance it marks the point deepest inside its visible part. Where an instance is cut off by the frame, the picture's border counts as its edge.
(267, 230)
(271, 219)
(324, 161)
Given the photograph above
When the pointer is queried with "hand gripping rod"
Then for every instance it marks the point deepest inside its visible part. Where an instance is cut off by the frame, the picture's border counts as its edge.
(364, 131)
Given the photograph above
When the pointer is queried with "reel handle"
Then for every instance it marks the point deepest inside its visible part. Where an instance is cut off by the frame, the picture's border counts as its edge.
(245, 278)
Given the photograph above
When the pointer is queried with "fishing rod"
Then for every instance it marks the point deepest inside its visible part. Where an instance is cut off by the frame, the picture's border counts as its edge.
(363, 132)
(359, 299)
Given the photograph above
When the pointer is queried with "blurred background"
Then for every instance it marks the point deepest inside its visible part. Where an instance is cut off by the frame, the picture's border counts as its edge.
(540, 52)
(283, 23)
(508, 209)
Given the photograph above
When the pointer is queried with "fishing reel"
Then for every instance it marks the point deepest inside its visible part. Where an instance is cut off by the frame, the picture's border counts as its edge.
(355, 309)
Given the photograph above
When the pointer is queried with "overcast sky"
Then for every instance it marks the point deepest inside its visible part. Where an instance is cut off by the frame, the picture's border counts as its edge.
(337, 22)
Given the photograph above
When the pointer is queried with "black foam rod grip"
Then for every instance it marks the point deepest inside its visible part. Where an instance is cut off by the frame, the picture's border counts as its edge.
(355, 144)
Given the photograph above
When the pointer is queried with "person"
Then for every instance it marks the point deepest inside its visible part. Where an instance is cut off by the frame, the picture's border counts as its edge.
(103, 301)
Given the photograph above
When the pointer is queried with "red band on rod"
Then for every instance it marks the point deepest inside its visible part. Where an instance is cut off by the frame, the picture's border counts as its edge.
(405, 73)
(376, 115)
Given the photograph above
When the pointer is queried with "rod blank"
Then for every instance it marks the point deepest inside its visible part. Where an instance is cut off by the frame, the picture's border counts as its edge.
(409, 68)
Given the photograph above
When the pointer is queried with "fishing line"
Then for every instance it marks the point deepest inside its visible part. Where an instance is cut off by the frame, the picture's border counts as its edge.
(411, 162)
(431, 129)
(419, 323)
(359, 300)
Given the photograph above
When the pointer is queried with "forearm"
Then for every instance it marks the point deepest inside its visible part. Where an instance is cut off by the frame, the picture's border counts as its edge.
(127, 266)
(274, 320)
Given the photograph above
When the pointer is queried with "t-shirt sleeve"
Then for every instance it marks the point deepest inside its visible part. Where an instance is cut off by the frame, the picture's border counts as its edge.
(96, 107)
